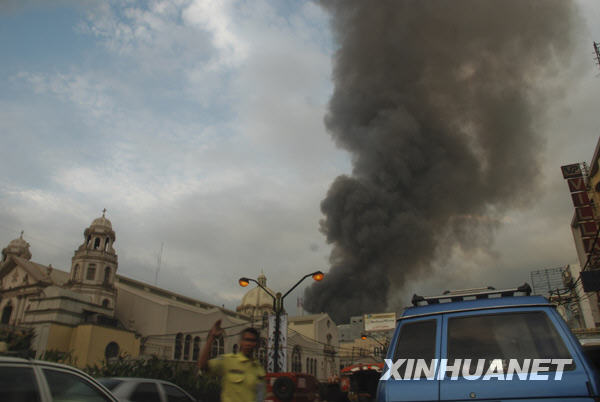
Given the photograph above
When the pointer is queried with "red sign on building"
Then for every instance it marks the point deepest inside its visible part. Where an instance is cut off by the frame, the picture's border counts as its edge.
(588, 245)
(573, 170)
(588, 229)
(580, 199)
(576, 185)
(584, 214)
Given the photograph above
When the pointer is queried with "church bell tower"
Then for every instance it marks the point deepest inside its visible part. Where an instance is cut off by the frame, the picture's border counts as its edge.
(94, 264)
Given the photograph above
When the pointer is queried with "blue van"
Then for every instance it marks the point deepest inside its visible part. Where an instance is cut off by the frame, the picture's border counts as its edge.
(488, 326)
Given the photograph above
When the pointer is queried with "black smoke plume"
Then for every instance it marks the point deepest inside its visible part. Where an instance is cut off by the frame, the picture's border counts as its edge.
(440, 104)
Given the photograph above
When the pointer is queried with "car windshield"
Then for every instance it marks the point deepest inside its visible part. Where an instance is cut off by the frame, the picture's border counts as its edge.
(109, 383)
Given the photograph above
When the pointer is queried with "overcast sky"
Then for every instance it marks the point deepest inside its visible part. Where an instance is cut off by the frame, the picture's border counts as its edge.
(199, 124)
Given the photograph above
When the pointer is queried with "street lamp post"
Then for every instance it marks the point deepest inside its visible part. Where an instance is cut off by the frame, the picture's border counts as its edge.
(278, 307)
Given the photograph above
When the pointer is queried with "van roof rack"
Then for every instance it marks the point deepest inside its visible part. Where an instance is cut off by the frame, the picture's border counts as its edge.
(469, 294)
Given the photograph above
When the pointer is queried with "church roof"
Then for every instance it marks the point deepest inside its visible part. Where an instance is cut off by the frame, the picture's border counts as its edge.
(41, 272)
(167, 295)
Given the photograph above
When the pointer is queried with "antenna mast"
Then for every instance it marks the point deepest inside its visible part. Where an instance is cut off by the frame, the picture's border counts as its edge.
(158, 262)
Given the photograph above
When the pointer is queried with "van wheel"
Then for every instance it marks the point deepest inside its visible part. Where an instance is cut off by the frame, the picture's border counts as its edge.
(284, 388)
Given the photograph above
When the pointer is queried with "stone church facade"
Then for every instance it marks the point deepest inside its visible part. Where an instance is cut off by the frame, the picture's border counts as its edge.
(70, 311)
(96, 314)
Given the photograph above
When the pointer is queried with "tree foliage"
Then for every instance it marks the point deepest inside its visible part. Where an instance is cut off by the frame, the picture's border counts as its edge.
(18, 340)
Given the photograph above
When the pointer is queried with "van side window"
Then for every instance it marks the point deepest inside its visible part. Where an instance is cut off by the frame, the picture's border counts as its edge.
(526, 335)
(416, 341)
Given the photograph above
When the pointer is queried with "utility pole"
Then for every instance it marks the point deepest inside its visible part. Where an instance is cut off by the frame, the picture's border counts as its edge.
(277, 304)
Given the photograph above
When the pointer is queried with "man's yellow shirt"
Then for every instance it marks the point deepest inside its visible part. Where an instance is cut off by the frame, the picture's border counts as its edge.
(240, 377)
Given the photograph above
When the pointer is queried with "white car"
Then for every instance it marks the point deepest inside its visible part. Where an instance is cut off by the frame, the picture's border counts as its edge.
(128, 389)
(23, 380)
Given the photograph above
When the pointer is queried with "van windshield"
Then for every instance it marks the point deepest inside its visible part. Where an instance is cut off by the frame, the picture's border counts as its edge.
(524, 335)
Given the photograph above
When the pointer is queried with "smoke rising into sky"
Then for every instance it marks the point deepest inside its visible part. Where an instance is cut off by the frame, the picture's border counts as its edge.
(441, 105)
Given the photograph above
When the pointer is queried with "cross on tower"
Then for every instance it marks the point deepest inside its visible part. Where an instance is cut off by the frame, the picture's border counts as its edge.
(103, 212)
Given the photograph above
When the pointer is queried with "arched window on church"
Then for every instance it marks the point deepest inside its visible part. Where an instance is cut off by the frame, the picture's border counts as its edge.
(308, 366)
(296, 360)
(91, 272)
(265, 319)
(105, 303)
(111, 351)
(96, 243)
(106, 275)
(218, 347)
(89, 240)
(106, 243)
(196, 351)
(6, 313)
(178, 341)
(186, 347)
(235, 348)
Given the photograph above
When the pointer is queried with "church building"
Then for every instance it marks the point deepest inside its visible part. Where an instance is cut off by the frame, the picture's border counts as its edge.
(96, 314)
(70, 311)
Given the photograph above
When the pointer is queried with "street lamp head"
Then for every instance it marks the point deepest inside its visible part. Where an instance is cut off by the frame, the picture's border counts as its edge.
(244, 282)
(363, 337)
(318, 276)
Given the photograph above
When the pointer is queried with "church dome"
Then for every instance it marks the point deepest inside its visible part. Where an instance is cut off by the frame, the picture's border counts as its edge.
(256, 300)
(102, 221)
(100, 227)
(18, 247)
(99, 236)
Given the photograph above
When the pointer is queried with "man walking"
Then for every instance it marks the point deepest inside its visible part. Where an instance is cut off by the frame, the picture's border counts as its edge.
(242, 377)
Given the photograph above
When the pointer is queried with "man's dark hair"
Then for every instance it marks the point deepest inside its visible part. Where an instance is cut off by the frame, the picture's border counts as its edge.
(250, 330)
